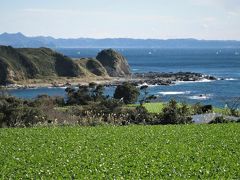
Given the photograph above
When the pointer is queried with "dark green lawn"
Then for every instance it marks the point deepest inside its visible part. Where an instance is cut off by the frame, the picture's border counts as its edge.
(188, 151)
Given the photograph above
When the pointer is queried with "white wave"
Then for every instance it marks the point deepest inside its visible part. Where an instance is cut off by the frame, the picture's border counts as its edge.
(205, 80)
(201, 97)
(187, 82)
(231, 79)
(60, 87)
(174, 92)
(63, 87)
(135, 69)
(149, 85)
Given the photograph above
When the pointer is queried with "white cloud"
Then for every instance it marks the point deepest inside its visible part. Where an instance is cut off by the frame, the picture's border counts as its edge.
(233, 13)
(210, 19)
(226, 4)
(52, 11)
(205, 26)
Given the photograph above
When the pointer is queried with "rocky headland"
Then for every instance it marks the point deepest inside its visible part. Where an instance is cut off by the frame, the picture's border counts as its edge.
(43, 67)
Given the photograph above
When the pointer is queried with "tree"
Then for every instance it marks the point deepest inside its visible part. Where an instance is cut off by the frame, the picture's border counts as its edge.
(80, 96)
(127, 92)
(85, 94)
(146, 98)
(145, 93)
(99, 93)
(3, 91)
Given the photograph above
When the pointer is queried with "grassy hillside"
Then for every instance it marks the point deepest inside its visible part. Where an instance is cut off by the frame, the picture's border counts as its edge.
(92, 67)
(185, 152)
(15, 66)
(36, 63)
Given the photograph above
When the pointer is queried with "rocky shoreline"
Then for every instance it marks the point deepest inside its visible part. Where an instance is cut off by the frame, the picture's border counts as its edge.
(165, 79)
(155, 78)
(149, 78)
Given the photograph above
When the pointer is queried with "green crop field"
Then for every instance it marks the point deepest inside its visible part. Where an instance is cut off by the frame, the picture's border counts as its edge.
(181, 151)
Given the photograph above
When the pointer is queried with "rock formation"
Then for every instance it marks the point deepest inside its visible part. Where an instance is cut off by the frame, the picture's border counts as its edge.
(115, 64)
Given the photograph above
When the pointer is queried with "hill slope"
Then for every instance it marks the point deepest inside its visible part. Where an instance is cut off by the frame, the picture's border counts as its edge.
(29, 63)
(19, 64)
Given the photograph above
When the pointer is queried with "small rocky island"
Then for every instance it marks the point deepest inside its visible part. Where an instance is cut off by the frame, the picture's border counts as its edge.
(37, 67)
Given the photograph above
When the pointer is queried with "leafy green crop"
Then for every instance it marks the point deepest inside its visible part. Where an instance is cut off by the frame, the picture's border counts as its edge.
(182, 151)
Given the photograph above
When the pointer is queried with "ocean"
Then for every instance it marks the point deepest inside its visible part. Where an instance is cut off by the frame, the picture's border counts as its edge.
(221, 63)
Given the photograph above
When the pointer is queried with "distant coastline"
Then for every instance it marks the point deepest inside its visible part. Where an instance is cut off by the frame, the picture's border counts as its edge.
(21, 41)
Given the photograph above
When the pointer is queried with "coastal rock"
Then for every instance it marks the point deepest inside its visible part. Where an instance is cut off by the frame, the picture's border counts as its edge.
(115, 64)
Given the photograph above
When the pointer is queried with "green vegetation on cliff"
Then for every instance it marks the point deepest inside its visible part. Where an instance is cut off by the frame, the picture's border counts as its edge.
(29, 63)
(91, 66)
(19, 64)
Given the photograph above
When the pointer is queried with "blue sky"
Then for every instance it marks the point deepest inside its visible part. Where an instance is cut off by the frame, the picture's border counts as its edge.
(162, 19)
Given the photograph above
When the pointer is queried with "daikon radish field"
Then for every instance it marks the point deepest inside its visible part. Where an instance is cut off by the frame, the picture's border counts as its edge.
(169, 152)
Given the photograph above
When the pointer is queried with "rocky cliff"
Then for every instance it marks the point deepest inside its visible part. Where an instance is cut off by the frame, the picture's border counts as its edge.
(115, 64)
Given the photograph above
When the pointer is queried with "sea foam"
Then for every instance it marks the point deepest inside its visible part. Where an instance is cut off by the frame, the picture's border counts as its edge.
(231, 79)
(201, 97)
(187, 82)
(174, 93)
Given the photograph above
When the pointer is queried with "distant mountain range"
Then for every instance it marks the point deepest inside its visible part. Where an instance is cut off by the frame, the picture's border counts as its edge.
(20, 40)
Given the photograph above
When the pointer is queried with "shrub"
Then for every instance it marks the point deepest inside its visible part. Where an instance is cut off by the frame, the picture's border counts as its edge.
(220, 119)
(17, 113)
(85, 94)
(48, 100)
(24, 117)
(110, 104)
(207, 108)
(233, 106)
(3, 92)
(142, 116)
(80, 96)
(176, 114)
(127, 92)
(197, 108)
(99, 93)
(1, 119)
(201, 109)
